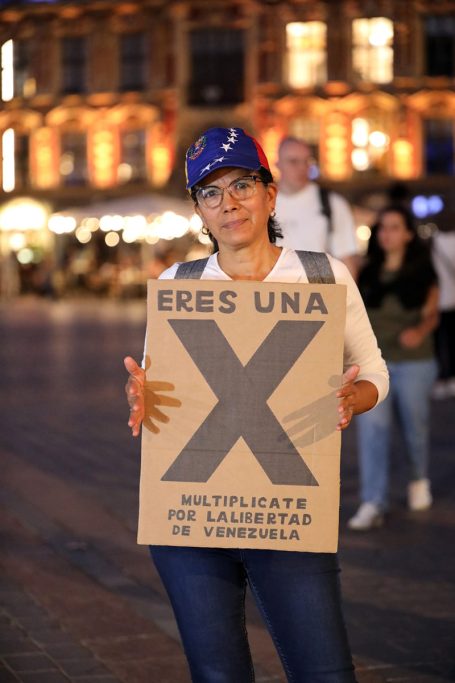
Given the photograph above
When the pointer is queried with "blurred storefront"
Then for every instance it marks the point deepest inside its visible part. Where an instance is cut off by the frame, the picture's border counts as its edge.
(100, 98)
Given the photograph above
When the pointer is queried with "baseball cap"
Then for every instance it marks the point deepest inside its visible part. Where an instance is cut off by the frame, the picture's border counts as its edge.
(221, 147)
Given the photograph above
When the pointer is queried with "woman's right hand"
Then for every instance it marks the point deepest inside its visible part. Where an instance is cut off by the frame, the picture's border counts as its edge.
(135, 392)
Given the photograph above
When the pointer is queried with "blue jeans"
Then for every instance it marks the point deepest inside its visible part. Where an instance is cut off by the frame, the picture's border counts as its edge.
(297, 593)
(409, 400)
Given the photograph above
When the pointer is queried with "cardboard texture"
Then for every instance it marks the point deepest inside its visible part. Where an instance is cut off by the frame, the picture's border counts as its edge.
(247, 374)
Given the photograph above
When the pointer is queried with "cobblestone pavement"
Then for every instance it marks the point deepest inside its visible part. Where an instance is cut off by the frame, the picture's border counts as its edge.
(81, 601)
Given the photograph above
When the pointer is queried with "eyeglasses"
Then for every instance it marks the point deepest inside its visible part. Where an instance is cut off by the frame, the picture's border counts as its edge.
(240, 189)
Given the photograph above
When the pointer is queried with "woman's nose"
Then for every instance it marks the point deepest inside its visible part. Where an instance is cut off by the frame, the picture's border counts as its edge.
(229, 202)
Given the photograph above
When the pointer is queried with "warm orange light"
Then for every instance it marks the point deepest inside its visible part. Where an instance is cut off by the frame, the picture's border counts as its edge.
(103, 155)
(335, 147)
(44, 158)
(270, 141)
(161, 164)
(160, 155)
(403, 159)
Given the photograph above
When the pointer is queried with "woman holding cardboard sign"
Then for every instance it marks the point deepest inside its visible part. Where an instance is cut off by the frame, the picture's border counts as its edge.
(297, 592)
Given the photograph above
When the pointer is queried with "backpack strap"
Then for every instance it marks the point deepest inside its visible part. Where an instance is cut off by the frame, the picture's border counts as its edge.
(324, 198)
(317, 267)
(316, 264)
(191, 270)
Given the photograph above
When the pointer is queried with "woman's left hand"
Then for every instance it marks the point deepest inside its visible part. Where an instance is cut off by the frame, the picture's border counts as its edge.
(348, 395)
(411, 338)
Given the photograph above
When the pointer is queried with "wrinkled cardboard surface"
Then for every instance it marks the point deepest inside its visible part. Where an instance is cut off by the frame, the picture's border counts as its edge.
(250, 456)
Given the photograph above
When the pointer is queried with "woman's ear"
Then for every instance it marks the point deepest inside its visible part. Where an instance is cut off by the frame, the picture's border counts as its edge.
(272, 191)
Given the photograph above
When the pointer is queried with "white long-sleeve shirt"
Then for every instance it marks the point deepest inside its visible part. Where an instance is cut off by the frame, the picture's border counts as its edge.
(360, 345)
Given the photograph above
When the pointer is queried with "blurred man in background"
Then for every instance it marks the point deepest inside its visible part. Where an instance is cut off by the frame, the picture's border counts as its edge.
(311, 217)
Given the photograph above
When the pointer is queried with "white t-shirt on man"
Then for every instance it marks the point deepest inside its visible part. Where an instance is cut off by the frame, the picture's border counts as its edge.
(305, 226)
(360, 345)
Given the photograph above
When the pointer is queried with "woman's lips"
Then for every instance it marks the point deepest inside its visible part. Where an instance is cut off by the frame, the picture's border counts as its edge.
(231, 225)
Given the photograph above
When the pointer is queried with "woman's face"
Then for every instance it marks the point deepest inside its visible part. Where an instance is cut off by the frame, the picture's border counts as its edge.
(237, 223)
(393, 235)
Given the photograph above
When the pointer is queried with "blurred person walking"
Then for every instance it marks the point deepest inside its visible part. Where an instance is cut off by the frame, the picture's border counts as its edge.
(311, 217)
(443, 252)
(399, 288)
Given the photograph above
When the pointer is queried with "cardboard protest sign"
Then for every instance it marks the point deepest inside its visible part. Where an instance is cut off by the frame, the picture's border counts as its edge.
(247, 374)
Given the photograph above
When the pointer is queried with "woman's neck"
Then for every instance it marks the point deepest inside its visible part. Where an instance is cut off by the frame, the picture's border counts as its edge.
(393, 260)
(253, 262)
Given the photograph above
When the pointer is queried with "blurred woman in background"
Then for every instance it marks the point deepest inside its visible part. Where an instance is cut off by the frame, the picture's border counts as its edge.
(399, 287)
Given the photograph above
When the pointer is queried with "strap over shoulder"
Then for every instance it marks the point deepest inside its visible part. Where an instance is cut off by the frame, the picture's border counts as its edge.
(324, 198)
(317, 267)
(316, 264)
(191, 270)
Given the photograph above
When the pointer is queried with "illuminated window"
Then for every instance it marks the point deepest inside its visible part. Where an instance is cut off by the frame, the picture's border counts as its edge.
(440, 45)
(74, 64)
(8, 168)
(372, 51)
(15, 160)
(439, 146)
(132, 61)
(217, 66)
(73, 159)
(17, 78)
(7, 71)
(369, 144)
(133, 166)
(306, 51)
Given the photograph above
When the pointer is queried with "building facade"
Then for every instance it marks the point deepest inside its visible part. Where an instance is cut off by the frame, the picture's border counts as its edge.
(100, 98)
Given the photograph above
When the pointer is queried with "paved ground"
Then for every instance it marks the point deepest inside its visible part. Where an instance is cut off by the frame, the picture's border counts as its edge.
(81, 601)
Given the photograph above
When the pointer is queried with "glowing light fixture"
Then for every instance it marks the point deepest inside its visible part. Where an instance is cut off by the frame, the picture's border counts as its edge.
(112, 239)
(360, 132)
(7, 60)
(23, 214)
(83, 235)
(17, 241)
(25, 256)
(360, 159)
(378, 139)
(61, 224)
(363, 232)
(8, 162)
(195, 223)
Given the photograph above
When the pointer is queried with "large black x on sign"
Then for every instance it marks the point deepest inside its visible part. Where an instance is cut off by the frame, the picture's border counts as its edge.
(242, 410)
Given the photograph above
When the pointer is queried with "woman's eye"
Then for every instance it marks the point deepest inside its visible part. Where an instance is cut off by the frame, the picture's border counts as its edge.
(210, 192)
(241, 185)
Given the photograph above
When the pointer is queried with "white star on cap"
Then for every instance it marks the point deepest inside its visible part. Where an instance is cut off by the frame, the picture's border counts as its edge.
(226, 147)
(206, 168)
(218, 161)
(232, 139)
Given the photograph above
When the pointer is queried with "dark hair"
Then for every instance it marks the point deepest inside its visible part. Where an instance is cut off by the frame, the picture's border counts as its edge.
(273, 227)
(415, 276)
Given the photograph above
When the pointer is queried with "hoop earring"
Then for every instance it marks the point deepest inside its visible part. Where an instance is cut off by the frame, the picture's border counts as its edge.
(205, 231)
